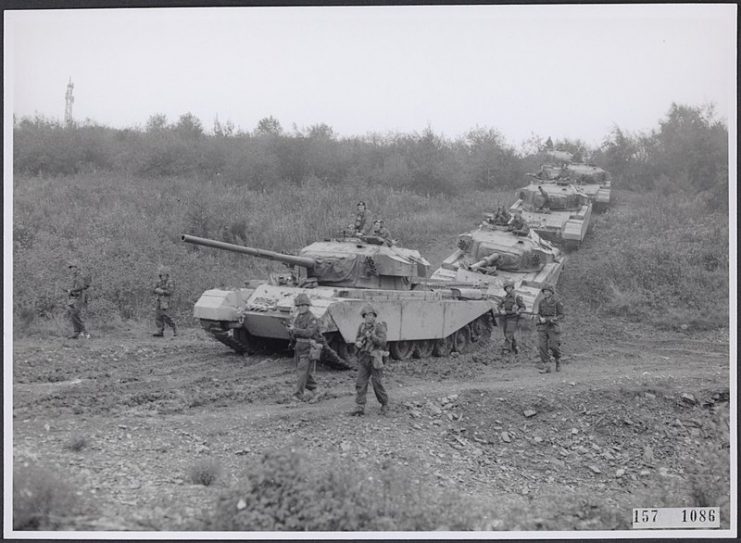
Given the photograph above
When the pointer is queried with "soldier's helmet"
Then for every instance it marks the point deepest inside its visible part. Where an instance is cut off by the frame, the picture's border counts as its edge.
(73, 264)
(368, 308)
(548, 287)
(508, 283)
(163, 270)
(361, 203)
(302, 299)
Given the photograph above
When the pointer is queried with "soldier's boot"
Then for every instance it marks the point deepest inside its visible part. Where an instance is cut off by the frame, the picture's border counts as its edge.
(514, 347)
(358, 411)
(74, 336)
(158, 334)
(385, 409)
(174, 331)
(558, 364)
(546, 368)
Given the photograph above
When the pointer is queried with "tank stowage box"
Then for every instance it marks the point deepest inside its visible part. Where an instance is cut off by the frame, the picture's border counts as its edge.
(340, 276)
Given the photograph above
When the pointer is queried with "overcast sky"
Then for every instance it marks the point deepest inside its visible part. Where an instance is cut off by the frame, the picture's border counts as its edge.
(560, 71)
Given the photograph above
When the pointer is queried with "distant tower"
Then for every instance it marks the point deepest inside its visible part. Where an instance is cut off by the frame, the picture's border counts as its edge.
(69, 99)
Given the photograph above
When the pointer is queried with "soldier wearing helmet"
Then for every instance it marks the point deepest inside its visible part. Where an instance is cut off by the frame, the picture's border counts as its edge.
(510, 306)
(550, 312)
(163, 290)
(304, 331)
(371, 344)
(77, 300)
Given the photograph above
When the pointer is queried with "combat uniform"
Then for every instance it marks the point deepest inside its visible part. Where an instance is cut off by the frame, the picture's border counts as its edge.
(164, 289)
(77, 301)
(510, 305)
(372, 340)
(549, 333)
(518, 226)
(383, 233)
(360, 220)
(305, 330)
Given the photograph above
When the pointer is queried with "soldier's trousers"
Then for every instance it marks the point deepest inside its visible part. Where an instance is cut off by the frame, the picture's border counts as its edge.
(162, 318)
(305, 371)
(74, 312)
(549, 339)
(367, 372)
(509, 327)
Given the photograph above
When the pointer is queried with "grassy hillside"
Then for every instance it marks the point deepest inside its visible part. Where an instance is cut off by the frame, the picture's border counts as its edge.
(658, 259)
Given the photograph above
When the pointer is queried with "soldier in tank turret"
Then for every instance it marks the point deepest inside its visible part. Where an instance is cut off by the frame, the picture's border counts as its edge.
(380, 231)
(361, 217)
(518, 226)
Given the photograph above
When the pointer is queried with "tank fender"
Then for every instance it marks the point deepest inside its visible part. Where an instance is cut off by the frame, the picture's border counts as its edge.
(222, 305)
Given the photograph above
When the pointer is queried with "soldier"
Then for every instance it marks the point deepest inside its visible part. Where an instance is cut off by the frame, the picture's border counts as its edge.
(77, 300)
(371, 344)
(518, 226)
(304, 331)
(360, 219)
(163, 289)
(511, 305)
(380, 231)
(550, 312)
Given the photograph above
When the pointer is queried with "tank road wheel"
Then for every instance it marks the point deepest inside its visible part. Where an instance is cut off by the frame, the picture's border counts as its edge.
(443, 347)
(424, 348)
(401, 350)
(462, 340)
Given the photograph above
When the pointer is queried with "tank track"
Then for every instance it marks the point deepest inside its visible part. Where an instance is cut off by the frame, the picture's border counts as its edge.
(232, 338)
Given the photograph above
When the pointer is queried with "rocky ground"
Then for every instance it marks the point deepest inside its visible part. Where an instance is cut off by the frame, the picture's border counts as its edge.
(630, 422)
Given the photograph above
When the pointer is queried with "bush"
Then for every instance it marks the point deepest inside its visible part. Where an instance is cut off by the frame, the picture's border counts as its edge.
(289, 490)
(41, 501)
(205, 472)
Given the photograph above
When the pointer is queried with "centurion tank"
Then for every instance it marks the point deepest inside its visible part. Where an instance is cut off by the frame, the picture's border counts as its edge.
(340, 276)
(594, 181)
(559, 211)
(493, 254)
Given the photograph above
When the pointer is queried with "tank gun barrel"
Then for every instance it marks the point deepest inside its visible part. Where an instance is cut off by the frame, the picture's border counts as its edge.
(302, 261)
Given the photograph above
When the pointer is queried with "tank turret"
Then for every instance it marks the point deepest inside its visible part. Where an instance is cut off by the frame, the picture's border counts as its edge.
(357, 262)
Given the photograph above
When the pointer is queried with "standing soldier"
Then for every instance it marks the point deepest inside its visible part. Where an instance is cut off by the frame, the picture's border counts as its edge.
(550, 312)
(164, 289)
(371, 344)
(360, 219)
(511, 305)
(304, 331)
(77, 300)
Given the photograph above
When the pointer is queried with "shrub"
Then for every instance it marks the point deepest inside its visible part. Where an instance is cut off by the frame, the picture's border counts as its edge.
(288, 490)
(205, 472)
(76, 442)
(41, 500)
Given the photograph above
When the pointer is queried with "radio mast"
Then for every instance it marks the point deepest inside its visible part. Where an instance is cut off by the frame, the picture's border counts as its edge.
(69, 100)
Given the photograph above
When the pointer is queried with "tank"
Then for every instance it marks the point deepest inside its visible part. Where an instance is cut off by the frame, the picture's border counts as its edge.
(559, 211)
(493, 254)
(340, 276)
(594, 181)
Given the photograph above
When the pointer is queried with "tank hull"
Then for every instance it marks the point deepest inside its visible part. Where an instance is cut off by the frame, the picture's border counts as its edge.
(566, 228)
(242, 319)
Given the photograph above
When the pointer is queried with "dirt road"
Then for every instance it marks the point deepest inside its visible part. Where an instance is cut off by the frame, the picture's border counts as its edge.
(125, 419)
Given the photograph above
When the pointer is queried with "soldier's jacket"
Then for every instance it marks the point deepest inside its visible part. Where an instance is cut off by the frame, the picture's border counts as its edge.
(305, 327)
(372, 337)
(360, 220)
(78, 289)
(382, 233)
(167, 286)
(550, 308)
(510, 302)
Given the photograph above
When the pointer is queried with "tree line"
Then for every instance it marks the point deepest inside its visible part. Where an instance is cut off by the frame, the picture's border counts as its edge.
(687, 151)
